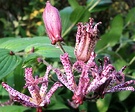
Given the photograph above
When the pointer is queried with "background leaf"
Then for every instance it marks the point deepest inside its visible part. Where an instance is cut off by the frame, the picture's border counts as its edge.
(113, 36)
(2, 40)
(73, 3)
(18, 44)
(130, 18)
(102, 5)
(13, 108)
(123, 95)
(103, 104)
(7, 62)
(77, 14)
(57, 103)
(65, 17)
(49, 51)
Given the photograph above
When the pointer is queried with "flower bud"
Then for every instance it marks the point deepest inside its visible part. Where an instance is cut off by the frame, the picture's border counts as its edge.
(86, 38)
(52, 23)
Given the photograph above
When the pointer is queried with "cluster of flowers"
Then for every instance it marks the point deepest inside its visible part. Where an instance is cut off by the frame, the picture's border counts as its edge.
(95, 79)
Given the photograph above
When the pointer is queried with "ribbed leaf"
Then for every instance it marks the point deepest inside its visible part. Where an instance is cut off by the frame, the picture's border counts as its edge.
(2, 40)
(18, 44)
(49, 51)
(7, 62)
(13, 108)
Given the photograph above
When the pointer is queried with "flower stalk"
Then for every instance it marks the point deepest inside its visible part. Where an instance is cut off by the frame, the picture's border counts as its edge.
(61, 47)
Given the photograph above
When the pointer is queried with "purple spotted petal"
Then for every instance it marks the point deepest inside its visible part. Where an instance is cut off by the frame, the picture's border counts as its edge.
(44, 85)
(62, 79)
(19, 97)
(68, 70)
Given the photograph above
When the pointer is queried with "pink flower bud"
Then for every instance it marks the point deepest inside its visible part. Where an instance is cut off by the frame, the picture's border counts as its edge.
(52, 23)
(86, 38)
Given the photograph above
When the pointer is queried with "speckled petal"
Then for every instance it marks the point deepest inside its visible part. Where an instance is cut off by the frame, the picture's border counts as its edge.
(44, 85)
(19, 97)
(68, 70)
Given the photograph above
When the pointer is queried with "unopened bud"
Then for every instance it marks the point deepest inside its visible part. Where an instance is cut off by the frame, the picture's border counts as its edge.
(86, 38)
(52, 23)
(39, 60)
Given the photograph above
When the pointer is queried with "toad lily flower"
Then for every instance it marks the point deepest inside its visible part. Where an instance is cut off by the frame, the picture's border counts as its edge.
(52, 23)
(108, 80)
(86, 38)
(39, 96)
(94, 80)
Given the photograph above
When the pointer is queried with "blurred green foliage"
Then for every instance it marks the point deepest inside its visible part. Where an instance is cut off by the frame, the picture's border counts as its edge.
(22, 29)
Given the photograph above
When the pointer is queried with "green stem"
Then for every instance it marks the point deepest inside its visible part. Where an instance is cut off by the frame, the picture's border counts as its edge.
(94, 5)
(45, 62)
(61, 47)
(20, 53)
(133, 59)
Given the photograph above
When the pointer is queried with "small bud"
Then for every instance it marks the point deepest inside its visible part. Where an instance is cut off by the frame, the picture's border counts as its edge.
(39, 60)
(11, 53)
(52, 23)
(86, 38)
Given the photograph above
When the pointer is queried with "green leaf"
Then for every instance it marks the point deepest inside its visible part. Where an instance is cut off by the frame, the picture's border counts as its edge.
(102, 2)
(130, 17)
(83, 107)
(133, 37)
(101, 5)
(116, 30)
(18, 44)
(49, 51)
(3, 93)
(123, 95)
(79, 14)
(2, 40)
(19, 80)
(133, 109)
(105, 2)
(85, 16)
(103, 104)
(113, 36)
(57, 103)
(13, 108)
(31, 57)
(65, 17)
(74, 4)
(41, 30)
(71, 17)
(7, 62)
(119, 63)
